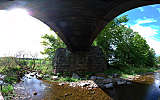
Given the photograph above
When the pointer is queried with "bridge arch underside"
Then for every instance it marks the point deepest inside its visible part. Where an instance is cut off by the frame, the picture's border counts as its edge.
(77, 23)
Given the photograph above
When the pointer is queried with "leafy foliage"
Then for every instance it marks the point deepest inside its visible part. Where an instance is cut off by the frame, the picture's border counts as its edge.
(51, 44)
(7, 88)
(122, 46)
(68, 79)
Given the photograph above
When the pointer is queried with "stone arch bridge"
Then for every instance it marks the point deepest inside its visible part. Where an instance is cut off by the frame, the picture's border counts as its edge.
(77, 23)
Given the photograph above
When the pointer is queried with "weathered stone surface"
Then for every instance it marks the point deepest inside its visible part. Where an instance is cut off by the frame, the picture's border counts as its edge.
(92, 61)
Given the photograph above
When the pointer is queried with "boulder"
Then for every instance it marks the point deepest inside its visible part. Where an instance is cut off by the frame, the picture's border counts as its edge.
(46, 76)
(100, 78)
(74, 75)
(115, 75)
(93, 78)
(121, 82)
(84, 84)
(107, 80)
(39, 76)
(109, 85)
(54, 78)
(2, 76)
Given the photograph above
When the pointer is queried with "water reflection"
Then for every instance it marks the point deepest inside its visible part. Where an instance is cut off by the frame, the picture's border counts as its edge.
(51, 91)
(146, 88)
(138, 91)
(31, 88)
(33, 85)
(154, 89)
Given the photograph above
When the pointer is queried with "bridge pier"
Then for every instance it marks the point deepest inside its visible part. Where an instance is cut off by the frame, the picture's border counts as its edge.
(90, 61)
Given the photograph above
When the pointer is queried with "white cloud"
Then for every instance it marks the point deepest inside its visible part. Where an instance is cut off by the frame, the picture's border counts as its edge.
(141, 9)
(144, 21)
(154, 44)
(148, 33)
(144, 31)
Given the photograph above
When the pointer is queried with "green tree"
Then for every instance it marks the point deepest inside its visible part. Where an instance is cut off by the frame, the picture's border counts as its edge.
(122, 45)
(51, 43)
(158, 59)
(110, 36)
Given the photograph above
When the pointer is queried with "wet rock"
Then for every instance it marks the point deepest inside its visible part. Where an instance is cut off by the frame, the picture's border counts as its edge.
(39, 76)
(20, 88)
(2, 76)
(107, 80)
(84, 84)
(54, 78)
(129, 83)
(61, 84)
(115, 75)
(73, 84)
(93, 78)
(88, 84)
(100, 78)
(93, 85)
(46, 76)
(28, 76)
(67, 94)
(121, 82)
(32, 74)
(109, 85)
(74, 75)
(1, 82)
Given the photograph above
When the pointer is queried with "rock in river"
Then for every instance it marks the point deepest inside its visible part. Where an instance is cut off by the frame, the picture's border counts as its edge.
(55, 77)
(109, 85)
(74, 75)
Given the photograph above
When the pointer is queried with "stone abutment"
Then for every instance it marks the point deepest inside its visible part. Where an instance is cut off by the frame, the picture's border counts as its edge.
(90, 61)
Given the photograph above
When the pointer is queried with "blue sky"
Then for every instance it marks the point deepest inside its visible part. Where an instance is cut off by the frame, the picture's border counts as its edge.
(146, 21)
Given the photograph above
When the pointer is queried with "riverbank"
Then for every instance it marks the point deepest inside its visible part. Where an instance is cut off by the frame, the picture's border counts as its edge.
(109, 78)
(89, 81)
(92, 89)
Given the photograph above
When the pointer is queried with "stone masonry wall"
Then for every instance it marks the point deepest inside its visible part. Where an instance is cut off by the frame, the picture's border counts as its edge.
(92, 61)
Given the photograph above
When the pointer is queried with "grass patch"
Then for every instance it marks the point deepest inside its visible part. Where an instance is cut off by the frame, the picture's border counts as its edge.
(7, 92)
(68, 79)
(7, 89)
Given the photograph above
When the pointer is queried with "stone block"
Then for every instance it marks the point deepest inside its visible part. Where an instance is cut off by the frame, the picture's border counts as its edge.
(91, 61)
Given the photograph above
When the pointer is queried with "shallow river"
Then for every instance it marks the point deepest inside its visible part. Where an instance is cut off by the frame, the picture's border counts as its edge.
(145, 88)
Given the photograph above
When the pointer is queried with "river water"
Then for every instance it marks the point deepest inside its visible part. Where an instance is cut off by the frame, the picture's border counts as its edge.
(145, 88)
